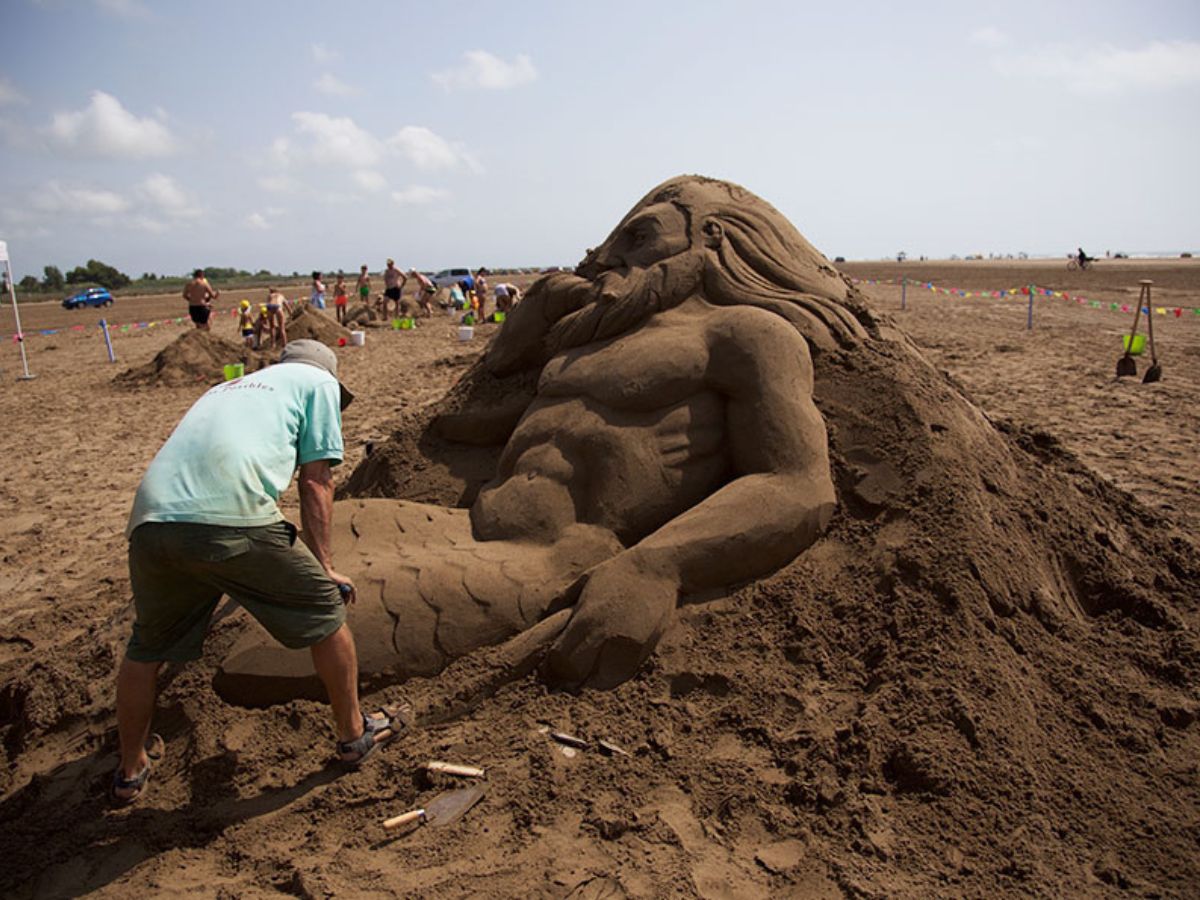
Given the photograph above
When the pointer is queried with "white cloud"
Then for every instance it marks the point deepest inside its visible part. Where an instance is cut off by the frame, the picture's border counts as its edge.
(324, 55)
(54, 198)
(106, 128)
(148, 223)
(9, 94)
(257, 221)
(333, 86)
(487, 71)
(278, 184)
(988, 36)
(338, 140)
(419, 195)
(427, 150)
(1105, 69)
(164, 192)
(370, 180)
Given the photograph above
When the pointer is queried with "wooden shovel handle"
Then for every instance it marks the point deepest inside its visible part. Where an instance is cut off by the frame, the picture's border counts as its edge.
(403, 819)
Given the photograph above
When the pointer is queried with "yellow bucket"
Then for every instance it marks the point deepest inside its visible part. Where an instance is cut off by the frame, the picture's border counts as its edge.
(1137, 346)
(234, 370)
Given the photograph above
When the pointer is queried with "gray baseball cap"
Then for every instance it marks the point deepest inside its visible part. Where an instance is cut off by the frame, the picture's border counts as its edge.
(314, 353)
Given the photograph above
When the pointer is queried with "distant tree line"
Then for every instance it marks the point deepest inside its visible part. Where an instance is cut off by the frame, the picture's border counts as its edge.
(104, 275)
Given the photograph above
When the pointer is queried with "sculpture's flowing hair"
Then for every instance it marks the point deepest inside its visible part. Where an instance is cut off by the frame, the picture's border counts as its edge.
(764, 261)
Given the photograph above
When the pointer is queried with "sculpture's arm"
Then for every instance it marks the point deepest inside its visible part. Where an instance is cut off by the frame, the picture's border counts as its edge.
(782, 496)
(776, 505)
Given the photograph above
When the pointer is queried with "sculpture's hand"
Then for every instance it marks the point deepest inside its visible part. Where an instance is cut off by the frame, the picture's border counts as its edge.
(621, 614)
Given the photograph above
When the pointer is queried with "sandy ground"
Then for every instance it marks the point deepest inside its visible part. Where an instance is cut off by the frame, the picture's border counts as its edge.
(248, 808)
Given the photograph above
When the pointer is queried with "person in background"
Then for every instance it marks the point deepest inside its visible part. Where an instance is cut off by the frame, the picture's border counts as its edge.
(1084, 259)
(424, 291)
(393, 285)
(481, 293)
(507, 296)
(458, 300)
(275, 304)
(245, 324)
(317, 297)
(339, 298)
(199, 295)
(364, 286)
(262, 325)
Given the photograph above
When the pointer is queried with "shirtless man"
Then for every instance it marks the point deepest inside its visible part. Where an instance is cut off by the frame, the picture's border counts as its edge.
(672, 450)
(393, 286)
(199, 295)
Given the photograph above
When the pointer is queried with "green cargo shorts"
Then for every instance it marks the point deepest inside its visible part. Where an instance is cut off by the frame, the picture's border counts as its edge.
(180, 570)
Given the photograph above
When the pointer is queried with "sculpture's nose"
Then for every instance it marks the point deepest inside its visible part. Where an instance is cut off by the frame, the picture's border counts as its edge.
(597, 261)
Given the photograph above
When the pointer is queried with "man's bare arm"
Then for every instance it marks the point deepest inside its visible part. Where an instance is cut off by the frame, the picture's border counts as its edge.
(315, 484)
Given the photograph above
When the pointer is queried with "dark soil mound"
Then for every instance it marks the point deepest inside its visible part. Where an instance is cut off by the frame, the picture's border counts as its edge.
(195, 357)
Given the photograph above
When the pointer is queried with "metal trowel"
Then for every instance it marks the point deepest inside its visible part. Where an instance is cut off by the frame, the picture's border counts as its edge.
(444, 809)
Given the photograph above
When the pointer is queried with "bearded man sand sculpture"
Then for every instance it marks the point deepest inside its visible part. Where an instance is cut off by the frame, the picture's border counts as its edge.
(672, 451)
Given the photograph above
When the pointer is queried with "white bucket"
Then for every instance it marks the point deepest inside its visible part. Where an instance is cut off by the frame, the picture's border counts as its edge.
(358, 338)
(465, 332)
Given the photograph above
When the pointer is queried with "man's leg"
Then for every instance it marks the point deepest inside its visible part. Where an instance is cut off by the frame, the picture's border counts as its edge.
(336, 662)
(136, 683)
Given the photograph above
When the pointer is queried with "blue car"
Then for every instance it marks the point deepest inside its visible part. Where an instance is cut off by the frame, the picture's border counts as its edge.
(96, 296)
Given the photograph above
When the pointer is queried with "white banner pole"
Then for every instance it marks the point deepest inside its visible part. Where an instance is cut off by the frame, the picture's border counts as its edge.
(12, 293)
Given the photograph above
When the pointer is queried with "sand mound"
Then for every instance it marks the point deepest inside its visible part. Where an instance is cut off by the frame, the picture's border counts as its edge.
(196, 357)
(315, 325)
(983, 677)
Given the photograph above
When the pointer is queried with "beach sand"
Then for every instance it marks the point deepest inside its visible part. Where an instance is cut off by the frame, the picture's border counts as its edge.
(763, 760)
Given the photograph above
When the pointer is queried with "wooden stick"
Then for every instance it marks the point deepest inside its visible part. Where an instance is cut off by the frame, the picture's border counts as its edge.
(445, 768)
(403, 819)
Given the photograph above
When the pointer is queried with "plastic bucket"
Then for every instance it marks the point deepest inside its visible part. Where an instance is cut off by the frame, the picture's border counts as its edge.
(1139, 344)
(234, 370)
(498, 317)
(465, 332)
(407, 324)
(358, 338)
(468, 319)
(396, 324)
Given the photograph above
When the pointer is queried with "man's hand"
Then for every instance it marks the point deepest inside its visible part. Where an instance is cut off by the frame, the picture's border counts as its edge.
(621, 614)
(345, 587)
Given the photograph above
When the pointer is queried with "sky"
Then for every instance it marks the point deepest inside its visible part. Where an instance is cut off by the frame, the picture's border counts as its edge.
(297, 135)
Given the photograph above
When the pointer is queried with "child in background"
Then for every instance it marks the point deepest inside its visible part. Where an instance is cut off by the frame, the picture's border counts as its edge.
(317, 297)
(339, 298)
(457, 299)
(246, 327)
(262, 325)
(364, 285)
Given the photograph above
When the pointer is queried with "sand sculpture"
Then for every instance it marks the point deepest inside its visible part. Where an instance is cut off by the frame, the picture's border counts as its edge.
(671, 450)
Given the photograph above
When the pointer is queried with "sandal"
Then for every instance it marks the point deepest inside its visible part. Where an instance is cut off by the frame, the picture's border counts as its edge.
(137, 784)
(380, 729)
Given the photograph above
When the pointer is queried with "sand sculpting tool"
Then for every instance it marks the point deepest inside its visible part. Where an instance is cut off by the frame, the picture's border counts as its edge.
(444, 768)
(569, 740)
(444, 809)
(1154, 373)
(1126, 367)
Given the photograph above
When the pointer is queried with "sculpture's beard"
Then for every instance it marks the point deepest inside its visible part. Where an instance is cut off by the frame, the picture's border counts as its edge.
(613, 304)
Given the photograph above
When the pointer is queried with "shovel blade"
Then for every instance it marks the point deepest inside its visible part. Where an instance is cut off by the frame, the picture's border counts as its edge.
(449, 807)
(1153, 374)
(1126, 367)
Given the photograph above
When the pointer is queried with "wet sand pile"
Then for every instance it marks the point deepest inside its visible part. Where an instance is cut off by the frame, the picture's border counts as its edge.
(196, 357)
(984, 679)
(317, 326)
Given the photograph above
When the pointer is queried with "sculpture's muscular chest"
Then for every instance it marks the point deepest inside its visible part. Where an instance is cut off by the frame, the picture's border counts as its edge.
(660, 364)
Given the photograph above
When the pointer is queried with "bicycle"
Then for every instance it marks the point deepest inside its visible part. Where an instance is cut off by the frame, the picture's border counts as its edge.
(1074, 263)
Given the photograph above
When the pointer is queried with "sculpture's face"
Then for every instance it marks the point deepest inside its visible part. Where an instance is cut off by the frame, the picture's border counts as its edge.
(651, 235)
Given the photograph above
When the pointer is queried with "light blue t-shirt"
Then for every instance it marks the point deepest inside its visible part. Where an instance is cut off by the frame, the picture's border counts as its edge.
(235, 451)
